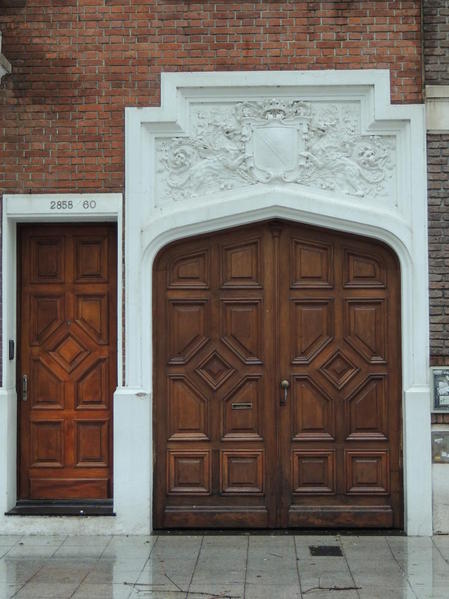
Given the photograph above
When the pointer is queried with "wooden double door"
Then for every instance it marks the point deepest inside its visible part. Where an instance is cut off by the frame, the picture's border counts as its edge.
(277, 381)
(67, 360)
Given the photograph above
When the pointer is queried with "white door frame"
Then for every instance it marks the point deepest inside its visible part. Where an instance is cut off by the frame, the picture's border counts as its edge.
(46, 209)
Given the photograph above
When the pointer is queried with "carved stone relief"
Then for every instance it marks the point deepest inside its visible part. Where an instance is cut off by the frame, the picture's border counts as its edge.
(277, 141)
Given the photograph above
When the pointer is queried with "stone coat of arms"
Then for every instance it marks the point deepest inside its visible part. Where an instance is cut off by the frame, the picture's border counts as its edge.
(282, 141)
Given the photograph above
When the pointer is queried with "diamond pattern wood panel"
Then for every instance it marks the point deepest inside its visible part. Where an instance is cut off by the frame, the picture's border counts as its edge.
(68, 351)
(246, 309)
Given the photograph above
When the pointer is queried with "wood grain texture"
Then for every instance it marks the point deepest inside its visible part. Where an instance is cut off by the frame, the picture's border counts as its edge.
(67, 305)
(278, 301)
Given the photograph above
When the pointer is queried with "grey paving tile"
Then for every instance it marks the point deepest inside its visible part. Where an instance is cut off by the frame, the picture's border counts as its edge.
(368, 548)
(166, 576)
(46, 591)
(380, 579)
(234, 591)
(436, 592)
(409, 544)
(139, 594)
(136, 562)
(222, 560)
(324, 573)
(103, 591)
(413, 551)
(169, 567)
(374, 592)
(88, 540)
(10, 539)
(39, 540)
(424, 591)
(9, 590)
(34, 551)
(164, 567)
(320, 594)
(178, 545)
(55, 573)
(440, 541)
(129, 547)
(272, 560)
(224, 545)
(18, 571)
(218, 576)
(112, 576)
(375, 565)
(115, 572)
(76, 551)
(258, 591)
(422, 563)
(427, 580)
(67, 562)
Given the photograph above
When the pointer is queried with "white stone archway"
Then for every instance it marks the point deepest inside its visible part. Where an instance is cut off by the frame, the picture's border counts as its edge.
(325, 148)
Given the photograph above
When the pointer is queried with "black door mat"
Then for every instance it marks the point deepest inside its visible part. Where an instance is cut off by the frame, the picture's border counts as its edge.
(69, 507)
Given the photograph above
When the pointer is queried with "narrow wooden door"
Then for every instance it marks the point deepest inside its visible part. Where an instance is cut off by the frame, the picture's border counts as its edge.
(67, 358)
(215, 441)
(237, 315)
(340, 352)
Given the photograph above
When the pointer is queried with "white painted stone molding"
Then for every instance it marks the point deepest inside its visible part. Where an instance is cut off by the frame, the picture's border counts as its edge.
(5, 65)
(437, 108)
(275, 140)
(331, 131)
(319, 147)
(56, 208)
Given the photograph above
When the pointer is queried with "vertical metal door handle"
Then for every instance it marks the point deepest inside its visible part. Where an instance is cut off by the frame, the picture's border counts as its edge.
(285, 386)
(25, 387)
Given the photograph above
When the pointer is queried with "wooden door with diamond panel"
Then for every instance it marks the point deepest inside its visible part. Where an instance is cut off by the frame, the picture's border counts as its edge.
(236, 314)
(214, 414)
(340, 352)
(67, 359)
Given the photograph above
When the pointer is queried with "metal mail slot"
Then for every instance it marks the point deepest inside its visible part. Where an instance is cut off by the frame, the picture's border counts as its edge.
(242, 406)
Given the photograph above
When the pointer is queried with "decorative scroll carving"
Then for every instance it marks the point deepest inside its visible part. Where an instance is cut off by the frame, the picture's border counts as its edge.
(276, 141)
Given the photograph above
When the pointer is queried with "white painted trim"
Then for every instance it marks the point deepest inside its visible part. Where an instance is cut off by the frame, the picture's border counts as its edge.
(36, 208)
(5, 65)
(437, 91)
(440, 486)
(437, 108)
(403, 226)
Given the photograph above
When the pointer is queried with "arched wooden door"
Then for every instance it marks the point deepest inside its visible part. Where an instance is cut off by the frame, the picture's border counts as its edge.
(277, 380)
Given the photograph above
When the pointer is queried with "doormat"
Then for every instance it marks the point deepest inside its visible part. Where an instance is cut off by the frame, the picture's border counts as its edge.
(325, 550)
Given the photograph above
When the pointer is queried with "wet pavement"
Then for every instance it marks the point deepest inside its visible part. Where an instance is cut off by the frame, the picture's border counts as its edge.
(225, 566)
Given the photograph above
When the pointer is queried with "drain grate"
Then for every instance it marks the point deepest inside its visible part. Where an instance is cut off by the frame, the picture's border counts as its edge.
(325, 550)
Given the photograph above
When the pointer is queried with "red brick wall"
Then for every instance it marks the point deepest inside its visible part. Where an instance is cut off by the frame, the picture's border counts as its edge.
(436, 41)
(438, 194)
(436, 64)
(78, 63)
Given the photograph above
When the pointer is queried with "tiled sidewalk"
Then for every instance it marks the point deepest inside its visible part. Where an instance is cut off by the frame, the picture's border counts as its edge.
(233, 567)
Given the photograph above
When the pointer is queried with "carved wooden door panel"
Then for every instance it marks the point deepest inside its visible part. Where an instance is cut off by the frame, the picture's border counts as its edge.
(235, 314)
(214, 414)
(340, 326)
(67, 282)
